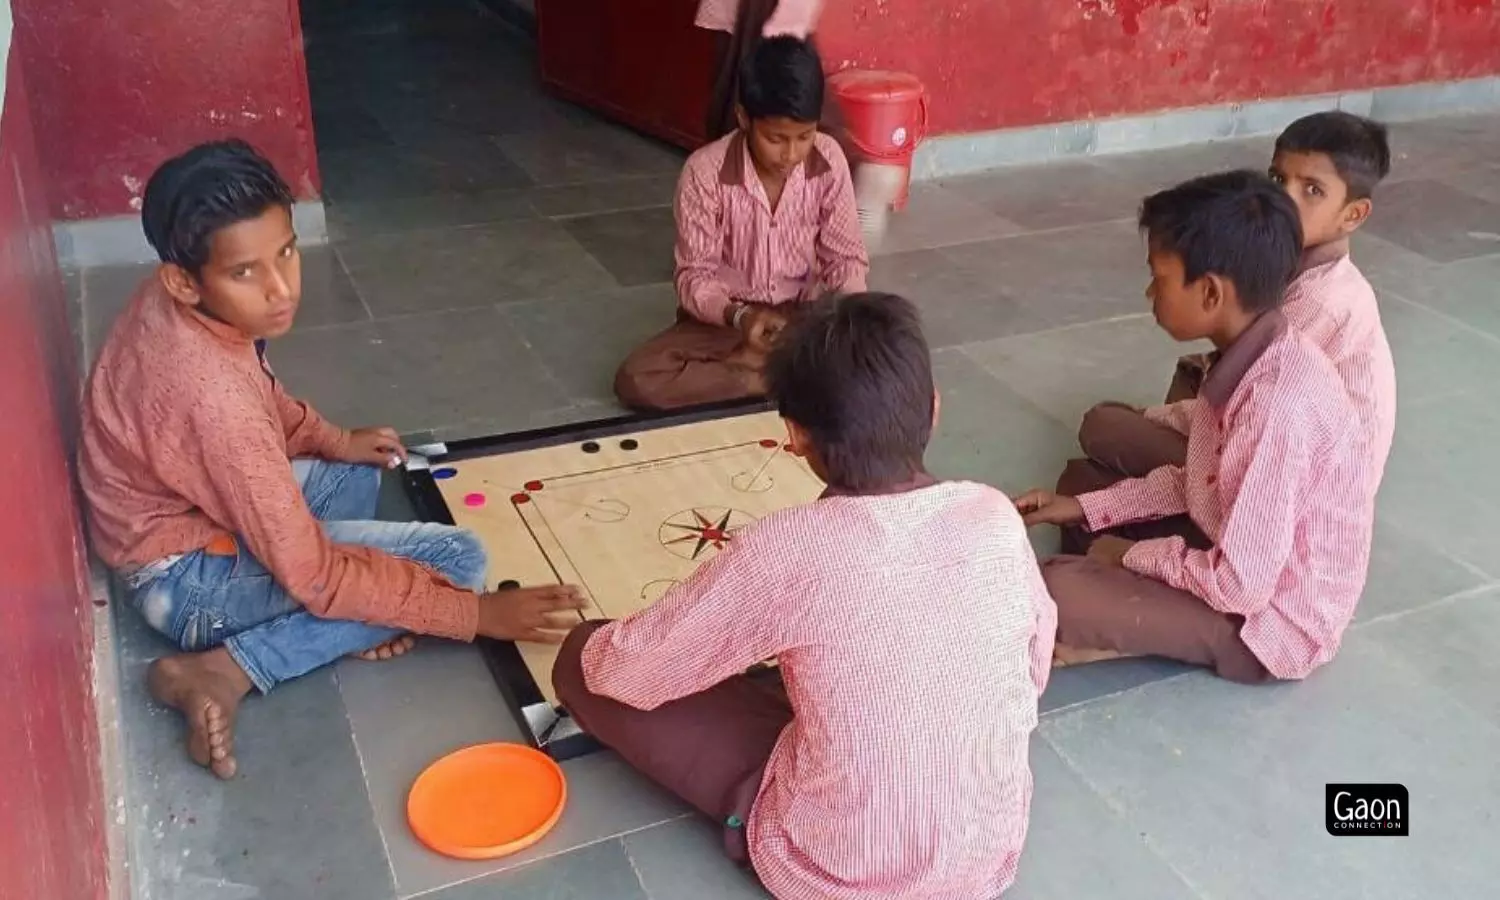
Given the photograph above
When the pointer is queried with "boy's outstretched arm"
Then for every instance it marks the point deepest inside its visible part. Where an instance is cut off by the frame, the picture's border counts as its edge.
(306, 432)
(1239, 575)
(843, 260)
(716, 624)
(1161, 494)
(699, 253)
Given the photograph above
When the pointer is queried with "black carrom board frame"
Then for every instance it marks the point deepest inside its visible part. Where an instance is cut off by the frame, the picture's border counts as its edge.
(512, 676)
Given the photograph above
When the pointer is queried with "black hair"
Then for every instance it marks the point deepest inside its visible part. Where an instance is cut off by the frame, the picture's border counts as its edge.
(1358, 147)
(210, 187)
(1238, 225)
(783, 77)
(855, 372)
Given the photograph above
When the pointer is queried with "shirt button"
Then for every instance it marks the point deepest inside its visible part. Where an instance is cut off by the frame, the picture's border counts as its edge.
(1106, 520)
(1212, 478)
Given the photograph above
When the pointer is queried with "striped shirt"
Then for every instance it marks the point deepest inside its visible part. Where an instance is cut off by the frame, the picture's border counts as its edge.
(732, 246)
(1334, 306)
(187, 442)
(794, 18)
(1276, 475)
(914, 635)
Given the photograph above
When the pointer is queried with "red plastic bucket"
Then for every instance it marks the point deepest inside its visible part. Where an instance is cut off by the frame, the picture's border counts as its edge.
(884, 117)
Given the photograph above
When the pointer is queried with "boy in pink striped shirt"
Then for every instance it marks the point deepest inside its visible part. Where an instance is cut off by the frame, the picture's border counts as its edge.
(911, 627)
(766, 221)
(1330, 164)
(1250, 556)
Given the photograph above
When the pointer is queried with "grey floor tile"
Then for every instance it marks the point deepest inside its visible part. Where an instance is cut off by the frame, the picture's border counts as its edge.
(598, 872)
(989, 434)
(1435, 354)
(584, 360)
(1467, 291)
(328, 296)
(1482, 181)
(684, 860)
(1066, 371)
(1076, 685)
(409, 712)
(1059, 195)
(1080, 845)
(396, 215)
(418, 373)
(1438, 221)
(1407, 573)
(382, 172)
(1062, 278)
(297, 815)
(1160, 169)
(957, 304)
(1436, 485)
(937, 216)
(1222, 780)
(619, 194)
(635, 246)
(105, 291)
(1451, 648)
(587, 152)
(469, 267)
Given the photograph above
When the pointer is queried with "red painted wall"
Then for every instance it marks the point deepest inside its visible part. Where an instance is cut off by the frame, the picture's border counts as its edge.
(51, 806)
(120, 86)
(1005, 63)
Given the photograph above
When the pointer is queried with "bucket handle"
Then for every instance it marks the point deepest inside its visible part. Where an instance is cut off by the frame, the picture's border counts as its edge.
(918, 135)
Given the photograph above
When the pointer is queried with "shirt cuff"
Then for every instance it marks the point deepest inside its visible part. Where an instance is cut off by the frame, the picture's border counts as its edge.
(454, 615)
(1149, 558)
(1098, 511)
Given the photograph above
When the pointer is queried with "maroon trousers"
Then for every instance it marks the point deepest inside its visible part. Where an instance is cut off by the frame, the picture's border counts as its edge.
(709, 749)
(1108, 607)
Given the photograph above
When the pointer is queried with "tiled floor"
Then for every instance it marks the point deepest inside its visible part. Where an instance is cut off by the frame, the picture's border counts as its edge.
(497, 252)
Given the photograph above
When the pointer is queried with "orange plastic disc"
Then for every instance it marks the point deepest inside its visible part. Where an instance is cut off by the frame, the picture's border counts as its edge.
(486, 801)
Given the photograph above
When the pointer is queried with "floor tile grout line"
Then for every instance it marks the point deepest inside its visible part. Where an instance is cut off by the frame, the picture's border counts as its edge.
(547, 857)
(1122, 815)
(1490, 587)
(364, 771)
(1437, 313)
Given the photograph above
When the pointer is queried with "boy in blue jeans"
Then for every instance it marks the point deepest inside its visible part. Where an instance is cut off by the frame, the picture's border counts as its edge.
(238, 517)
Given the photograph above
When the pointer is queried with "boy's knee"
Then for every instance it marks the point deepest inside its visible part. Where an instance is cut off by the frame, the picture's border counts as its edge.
(456, 554)
(472, 562)
(567, 669)
(1099, 432)
(631, 384)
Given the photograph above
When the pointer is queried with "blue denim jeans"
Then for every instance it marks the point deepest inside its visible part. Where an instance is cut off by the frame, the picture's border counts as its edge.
(202, 601)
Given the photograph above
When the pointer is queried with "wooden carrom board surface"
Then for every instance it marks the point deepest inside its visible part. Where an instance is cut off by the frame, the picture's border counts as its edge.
(622, 509)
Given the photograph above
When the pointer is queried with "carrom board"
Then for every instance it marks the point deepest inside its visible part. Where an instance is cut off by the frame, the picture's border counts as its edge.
(623, 509)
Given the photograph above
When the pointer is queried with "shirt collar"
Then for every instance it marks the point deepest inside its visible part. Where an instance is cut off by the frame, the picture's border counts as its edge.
(915, 483)
(1232, 364)
(737, 162)
(221, 330)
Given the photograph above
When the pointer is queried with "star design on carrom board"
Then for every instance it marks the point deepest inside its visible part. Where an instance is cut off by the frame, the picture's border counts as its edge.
(704, 529)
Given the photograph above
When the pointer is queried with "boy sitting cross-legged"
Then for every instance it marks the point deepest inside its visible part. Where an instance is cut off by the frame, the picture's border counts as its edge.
(1329, 163)
(913, 635)
(1248, 558)
(238, 518)
(766, 222)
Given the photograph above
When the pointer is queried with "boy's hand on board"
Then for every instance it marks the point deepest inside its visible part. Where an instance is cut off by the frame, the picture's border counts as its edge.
(542, 615)
(1039, 507)
(375, 447)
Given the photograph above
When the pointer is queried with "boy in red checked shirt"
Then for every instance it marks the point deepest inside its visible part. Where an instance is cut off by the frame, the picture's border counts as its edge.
(766, 221)
(1249, 557)
(911, 628)
(238, 518)
(1329, 163)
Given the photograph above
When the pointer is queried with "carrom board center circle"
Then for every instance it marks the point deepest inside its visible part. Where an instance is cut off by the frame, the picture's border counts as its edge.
(699, 533)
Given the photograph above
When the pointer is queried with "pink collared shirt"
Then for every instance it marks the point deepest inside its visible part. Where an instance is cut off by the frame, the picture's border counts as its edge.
(732, 246)
(794, 18)
(914, 634)
(1276, 475)
(1334, 306)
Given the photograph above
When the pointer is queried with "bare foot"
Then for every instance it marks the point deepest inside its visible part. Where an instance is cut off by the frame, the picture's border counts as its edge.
(389, 650)
(207, 689)
(1063, 656)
